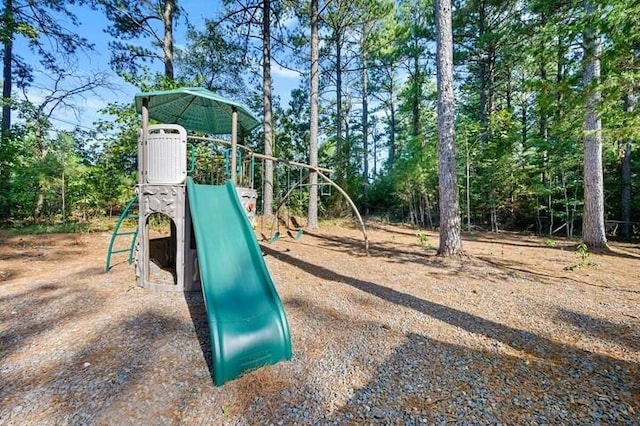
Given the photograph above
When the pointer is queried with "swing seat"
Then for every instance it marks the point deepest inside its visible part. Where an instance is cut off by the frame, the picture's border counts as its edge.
(298, 234)
(275, 237)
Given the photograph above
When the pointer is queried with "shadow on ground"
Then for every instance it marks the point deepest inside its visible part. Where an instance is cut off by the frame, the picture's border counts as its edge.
(198, 312)
(387, 250)
(134, 369)
(426, 380)
(548, 382)
(604, 329)
(519, 267)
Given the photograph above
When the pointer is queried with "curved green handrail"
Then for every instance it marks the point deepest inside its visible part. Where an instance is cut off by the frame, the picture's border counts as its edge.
(130, 250)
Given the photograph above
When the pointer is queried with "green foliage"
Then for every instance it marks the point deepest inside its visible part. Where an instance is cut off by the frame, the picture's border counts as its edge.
(59, 228)
(583, 251)
(212, 59)
(423, 239)
(519, 105)
(292, 127)
(60, 184)
(138, 31)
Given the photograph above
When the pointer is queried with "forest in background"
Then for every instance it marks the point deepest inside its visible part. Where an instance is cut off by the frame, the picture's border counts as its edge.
(520, 101)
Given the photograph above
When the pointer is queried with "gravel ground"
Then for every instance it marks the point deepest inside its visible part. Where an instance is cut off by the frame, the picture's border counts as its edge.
(512, 333)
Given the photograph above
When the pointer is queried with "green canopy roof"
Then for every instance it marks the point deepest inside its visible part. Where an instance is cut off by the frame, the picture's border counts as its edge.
(196, 109)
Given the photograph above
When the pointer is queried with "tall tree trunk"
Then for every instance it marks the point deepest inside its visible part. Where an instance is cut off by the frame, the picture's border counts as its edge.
(5, 128)
(6, 68)
(365, 117)
(593, 231)
(63, 193)
(429, 213)
(559, 78)
(494, 216)
(167, 44)
(544, 123)
(339, 142)
(523, 123)
(487, 81)
(346, 142)
(567, 211)
(375, 153)
(509, 89)
(313, 123)
(491, 84)
(625, 162)
(392, 135)
(7, 81)
(544, 137)
(625, 196)
(543, 127)
(415, 96)
(39, 194)
(468, 184)
(484, 116)
(266, 99)
(450, 243)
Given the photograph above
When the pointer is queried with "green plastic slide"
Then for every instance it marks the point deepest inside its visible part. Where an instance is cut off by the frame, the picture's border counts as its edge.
(247, 323)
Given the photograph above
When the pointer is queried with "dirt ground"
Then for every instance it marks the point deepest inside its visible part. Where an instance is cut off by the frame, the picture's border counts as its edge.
(81, 346)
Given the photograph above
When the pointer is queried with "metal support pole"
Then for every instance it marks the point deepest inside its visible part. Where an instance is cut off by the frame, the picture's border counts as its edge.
(143, 228)
(142, 146)
(234, 144)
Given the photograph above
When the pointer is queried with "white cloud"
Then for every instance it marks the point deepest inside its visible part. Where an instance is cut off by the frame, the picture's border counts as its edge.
(279, 71)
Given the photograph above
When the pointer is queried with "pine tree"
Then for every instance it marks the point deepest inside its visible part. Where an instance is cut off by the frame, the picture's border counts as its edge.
(593, 232)
(450, 243)
(313, 119)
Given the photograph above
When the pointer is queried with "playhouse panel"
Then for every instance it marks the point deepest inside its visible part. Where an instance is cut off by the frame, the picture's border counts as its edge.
(166, 154)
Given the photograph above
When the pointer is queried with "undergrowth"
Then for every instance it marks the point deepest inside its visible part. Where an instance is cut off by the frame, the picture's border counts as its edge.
(583, 254)
(95, 225)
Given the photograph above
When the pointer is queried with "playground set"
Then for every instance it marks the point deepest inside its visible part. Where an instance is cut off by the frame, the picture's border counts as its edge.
(212, 244)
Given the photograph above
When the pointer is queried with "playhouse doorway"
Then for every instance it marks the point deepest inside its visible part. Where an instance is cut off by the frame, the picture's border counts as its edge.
(163, 248)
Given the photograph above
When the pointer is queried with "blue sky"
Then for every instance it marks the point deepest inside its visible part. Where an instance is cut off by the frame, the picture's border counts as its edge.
(93, 24)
